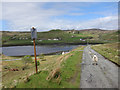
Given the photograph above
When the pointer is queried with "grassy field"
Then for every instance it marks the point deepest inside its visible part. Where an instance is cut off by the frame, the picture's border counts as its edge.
(64, 37)
(110, 36)
(109, 51)
(67, 66)
(3, 57)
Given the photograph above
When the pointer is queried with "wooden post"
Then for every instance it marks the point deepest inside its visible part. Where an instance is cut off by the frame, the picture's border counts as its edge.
(35, 54)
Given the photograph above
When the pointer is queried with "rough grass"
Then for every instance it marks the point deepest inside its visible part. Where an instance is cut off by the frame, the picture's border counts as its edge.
(14, 75)
(113, 36)
(4, 57)
(17, 42)
(70, 68)
(110, 51)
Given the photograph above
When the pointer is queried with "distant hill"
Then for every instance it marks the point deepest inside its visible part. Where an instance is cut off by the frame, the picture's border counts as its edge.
(61, 37)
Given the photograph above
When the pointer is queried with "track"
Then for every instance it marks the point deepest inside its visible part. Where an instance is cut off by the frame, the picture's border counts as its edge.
(103, 75)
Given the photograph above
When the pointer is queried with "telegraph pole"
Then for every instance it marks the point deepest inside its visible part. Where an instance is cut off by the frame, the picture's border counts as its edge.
(34, 36)
(35, 55)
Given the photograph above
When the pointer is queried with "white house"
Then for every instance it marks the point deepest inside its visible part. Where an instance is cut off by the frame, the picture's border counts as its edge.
(49, 39)
(80, 39)
(55, 39)
(40, 40)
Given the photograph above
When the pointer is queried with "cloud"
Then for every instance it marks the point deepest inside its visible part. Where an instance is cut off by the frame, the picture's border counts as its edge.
(22, 16)
(76, 14)
(108, 23)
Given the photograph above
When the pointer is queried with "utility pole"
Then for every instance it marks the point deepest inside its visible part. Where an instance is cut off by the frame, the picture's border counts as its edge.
(35, 55)
(33, 37)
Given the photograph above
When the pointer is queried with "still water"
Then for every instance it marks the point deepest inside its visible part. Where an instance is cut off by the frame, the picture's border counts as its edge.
(29, 50)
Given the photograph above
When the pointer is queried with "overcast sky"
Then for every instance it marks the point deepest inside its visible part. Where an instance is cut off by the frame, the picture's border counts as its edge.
(21, 16)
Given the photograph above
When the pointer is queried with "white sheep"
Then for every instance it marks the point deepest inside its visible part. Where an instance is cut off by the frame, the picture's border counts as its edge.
(95, 59)
(63, 53)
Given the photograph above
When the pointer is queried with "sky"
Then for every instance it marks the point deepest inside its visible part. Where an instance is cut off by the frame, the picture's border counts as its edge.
(21, 16)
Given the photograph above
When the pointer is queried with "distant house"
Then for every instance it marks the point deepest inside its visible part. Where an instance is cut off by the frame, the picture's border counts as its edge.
(72, 36)
(49, 39)
(69, 31)
(55, 39)
(13, 37)
(26, 38)
(73, 32)
(40, 40)
(60, 38)
(80, 39)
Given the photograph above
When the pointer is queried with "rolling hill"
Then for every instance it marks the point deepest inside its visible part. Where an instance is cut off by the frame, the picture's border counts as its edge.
(92, 36)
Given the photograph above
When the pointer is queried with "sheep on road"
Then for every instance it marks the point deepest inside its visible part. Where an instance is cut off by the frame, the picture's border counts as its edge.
(95, 60)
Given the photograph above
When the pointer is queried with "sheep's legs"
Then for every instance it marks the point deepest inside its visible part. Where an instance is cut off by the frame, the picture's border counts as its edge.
(94, 63)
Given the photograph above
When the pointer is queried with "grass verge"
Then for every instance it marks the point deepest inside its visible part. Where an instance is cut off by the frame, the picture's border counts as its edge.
(109, 51)
(70, 70)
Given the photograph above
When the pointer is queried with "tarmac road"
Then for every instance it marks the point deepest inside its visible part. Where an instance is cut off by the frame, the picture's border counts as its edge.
(103, 75)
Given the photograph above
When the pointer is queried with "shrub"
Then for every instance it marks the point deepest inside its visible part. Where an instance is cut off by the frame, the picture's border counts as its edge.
(6, 67)
(25, 67)
(38, 63)
(27, 59)
(41, 56)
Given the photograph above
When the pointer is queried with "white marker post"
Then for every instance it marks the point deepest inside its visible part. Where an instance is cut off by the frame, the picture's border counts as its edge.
(33, 37)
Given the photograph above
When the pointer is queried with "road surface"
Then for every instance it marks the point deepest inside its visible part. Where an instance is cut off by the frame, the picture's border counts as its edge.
(103, 75)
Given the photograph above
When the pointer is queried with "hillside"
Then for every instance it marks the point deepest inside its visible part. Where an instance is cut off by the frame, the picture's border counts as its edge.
(93, 36)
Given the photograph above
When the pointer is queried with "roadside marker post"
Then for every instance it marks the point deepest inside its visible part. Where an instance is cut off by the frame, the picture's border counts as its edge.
(33, 37)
